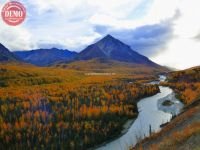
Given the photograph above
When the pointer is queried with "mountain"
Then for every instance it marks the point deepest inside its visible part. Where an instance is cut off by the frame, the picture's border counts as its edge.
(6, 55)
(45, 57)
(111, 48)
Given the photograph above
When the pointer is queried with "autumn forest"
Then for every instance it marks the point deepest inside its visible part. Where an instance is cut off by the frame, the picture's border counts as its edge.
(41, 110)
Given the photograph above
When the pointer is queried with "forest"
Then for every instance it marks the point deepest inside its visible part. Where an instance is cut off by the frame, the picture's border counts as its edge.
(186, 84)
(41, 110)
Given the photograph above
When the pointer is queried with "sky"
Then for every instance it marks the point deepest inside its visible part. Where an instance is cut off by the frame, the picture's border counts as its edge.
(166, 31)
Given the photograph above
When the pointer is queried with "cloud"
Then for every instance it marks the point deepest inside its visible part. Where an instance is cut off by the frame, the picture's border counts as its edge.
(197, 37)
(15, 37)
(102, 29)
(188, 25)
(148, 39)
(72, 21)
(183, 49)
(181, 53)
(155, 28)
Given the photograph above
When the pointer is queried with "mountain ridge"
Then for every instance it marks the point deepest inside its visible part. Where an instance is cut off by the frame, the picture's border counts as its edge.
(45, 57)
(6, 55)
(112, 48)
(107, 48)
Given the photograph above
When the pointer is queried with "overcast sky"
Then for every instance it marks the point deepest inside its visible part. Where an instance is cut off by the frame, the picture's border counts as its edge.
(166, 31)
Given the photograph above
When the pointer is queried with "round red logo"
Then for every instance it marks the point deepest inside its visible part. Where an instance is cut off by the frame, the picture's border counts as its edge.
(13, 13)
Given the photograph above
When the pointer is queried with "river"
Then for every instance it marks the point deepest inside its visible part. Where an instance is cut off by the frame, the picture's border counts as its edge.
(151, 115)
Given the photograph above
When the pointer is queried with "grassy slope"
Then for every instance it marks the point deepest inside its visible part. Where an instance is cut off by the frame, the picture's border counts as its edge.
(184, 131)
(105, 65)
(122, 70)
(29, 77)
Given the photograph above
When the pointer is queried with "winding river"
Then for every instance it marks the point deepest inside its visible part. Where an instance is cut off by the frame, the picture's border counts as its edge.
(151, 115)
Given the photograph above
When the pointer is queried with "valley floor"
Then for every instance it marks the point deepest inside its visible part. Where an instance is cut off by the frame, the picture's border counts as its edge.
(57, 108)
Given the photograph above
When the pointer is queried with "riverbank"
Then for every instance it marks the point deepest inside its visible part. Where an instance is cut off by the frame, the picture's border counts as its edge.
(183, 132)
(125, 129)
(127, 125)
(149, 117)
(179, 133)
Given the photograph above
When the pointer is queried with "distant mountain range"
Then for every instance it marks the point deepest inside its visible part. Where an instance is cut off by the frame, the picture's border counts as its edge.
(6, 55)
(45, 57)
(107, 49)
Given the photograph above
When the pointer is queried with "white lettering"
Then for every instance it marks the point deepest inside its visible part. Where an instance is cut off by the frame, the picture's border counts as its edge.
(14, 14)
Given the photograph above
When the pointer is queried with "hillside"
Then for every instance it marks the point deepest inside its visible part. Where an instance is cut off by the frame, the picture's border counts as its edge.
(45, 57)
(186, 83)
(6, 55)
(189, 75)
(102, 65)
(111, 48)
(183, 133)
